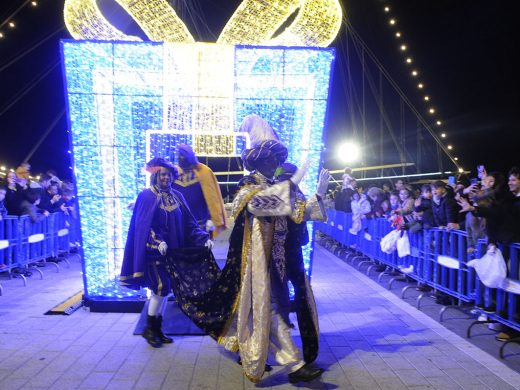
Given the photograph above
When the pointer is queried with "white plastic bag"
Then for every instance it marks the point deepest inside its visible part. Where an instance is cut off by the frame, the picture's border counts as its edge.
(389, 242)
(491, 268)
(403, 245)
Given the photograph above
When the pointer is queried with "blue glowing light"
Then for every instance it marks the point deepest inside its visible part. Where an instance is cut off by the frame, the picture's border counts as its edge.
(128, 102)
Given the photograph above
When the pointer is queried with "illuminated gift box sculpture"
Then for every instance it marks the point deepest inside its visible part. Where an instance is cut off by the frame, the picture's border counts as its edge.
(130, 101)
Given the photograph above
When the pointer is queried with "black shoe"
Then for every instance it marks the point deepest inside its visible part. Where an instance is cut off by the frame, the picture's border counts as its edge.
(490, 309)
(305, 374)
(423, 287)
(150, 333)
(158, 328)
(268, 367)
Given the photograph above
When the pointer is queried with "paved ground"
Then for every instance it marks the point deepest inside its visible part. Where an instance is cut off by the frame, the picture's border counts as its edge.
(371, 339)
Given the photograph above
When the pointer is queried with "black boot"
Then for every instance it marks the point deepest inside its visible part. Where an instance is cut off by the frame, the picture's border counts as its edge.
(164, 339)
(150, 332)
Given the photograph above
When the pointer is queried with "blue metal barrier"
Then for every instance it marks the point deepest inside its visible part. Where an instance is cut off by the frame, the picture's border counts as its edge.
(439, 259)
(35, 240)
(9, 243)
(445, 263)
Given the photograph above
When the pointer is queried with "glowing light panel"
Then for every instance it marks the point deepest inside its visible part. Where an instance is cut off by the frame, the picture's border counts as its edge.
(130, 101)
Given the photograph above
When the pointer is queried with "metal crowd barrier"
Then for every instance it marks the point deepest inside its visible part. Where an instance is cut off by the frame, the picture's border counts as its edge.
(438, 258)
(24, 244)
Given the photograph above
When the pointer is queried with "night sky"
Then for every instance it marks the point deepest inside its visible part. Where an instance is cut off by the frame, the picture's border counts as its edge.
(463, 49)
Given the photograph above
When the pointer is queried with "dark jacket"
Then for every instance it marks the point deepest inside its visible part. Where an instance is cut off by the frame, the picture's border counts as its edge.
(427, 212)
(342, 201)
(445, 212)
(502, 220)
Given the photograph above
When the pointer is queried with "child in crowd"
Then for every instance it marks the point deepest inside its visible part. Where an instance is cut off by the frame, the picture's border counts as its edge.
(360, 208)
(348, 180)
(394, 218)
(406, 204)
(394, 201)
(423, 214)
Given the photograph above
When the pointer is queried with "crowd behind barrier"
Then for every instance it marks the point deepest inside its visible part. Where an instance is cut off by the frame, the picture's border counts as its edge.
(437, 258)
(24, 243)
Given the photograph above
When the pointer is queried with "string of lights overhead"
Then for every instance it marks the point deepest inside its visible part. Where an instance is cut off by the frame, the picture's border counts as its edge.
(415, 74)
(10, 23)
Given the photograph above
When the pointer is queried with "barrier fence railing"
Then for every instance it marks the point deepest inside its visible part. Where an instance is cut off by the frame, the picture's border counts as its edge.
(438, 258)
(24, 242)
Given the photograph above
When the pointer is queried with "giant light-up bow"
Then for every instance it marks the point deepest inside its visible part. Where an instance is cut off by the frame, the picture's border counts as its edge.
(255, 22)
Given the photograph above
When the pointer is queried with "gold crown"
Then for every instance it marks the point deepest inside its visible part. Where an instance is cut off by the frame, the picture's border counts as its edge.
(255, 22)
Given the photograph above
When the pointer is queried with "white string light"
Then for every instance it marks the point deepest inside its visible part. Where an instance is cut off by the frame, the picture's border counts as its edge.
(10, 23)
(414, 73)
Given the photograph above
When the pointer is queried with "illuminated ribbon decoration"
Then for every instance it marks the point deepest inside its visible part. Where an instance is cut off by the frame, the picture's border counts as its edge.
(255, 22)
(157, 18)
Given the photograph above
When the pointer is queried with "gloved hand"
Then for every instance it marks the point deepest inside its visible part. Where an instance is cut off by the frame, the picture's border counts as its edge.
(300, 173)
(209, 244)
(163, 248)
(209, 225)
(323, 182)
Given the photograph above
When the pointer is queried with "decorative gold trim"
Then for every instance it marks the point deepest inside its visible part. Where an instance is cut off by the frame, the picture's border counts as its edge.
(134, 275)
(245, 198)
(245, 250)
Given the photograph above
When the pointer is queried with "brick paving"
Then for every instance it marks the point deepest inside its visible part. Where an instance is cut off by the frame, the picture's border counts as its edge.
(371, 339)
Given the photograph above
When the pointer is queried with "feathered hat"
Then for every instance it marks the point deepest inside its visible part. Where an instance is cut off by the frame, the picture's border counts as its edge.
(264, 142)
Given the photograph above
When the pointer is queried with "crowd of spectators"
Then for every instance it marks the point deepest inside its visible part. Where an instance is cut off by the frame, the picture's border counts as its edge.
(21, 194)
(486, 207)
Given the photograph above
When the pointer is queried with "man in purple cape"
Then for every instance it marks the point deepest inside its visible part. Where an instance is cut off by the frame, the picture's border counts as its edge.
(161, 222)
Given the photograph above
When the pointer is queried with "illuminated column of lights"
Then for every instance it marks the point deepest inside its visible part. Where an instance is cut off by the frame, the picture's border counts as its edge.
(414, 72)
(122, 104)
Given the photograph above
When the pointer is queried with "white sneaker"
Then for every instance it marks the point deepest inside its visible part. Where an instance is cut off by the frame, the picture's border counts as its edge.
(407, 270)
(483, 317)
